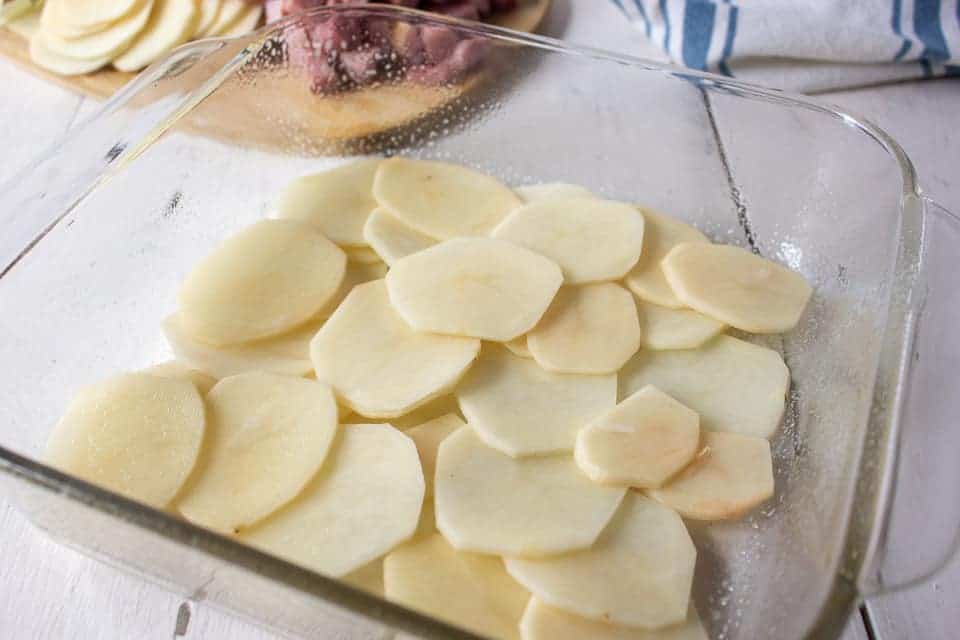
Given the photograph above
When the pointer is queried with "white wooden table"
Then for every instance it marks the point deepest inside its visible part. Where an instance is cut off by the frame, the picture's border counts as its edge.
(47, 591)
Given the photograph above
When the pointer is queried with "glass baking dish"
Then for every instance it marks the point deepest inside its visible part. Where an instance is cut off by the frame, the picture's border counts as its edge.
(100, 230)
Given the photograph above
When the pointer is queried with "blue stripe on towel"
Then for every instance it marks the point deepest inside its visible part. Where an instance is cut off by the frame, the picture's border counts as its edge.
(926, 24)
(895, 23)
(643, 14)
(666, 26)
(728, 43)
(698, 18)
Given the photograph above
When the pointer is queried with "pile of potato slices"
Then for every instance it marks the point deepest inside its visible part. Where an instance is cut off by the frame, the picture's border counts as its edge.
(496, 406)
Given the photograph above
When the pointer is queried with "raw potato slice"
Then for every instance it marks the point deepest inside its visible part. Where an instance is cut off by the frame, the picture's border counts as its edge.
(25, 26)
(519, 347)
(638, 573)
(641, 442)
(552, 191)
(590, 329)
(488, 502)
(662, 233)
(42, 56)
(365, 501)
(209, 9)
(244, 23)
(107, 43)
(357, 273)
(591, 239)
(263, 281)
(666, 328)
(442, 200)
(737, 287)
(428, 437)
(476, 287)
(392, 239)
(136, 434)
(543, 622)
(170, 25)
(337, 202)
(436, 408)
(362, 255)
(175, 369)
(732, 475)
(735, 386)
(469, 590)
(230, 10)
(287, 354)
(378, 365)
(86, 15)
(267, 437)
(520, 409)
(368, 578)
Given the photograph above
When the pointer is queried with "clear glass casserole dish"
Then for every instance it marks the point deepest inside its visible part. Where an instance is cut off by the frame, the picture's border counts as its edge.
(98, 233)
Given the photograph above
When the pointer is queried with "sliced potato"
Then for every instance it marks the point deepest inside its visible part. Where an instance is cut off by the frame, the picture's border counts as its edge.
(590, 329)
(229, 11)
(246, 22)
(735, 386)
(661, 234)
(666, 328)
(392, 239)
(477, 287)
(488, 502)
(107, 43)
(136, 434)
(170, 25)
(469, 590)
(287, 354)
(176, 369)
(362, 255)
(520, 409)
(641, 442)
(732, 475)
(436, 408)
(363, 503)
(592, 240)
(208, 12)
(377, 364)
(552, 191)
(269, 278)
(368, 578)
(519, 347)
(442, 200)
(357, 273)
(42, 56)
(428, 437)
(638, 573)
(737, 287)
(268, 435)
(70, 18)
(25, 26)
(337, 202)
(543, 622)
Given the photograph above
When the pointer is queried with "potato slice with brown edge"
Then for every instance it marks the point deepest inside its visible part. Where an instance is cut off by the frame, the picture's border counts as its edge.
(590, 329)
(337, 202)
(543, 622)
(488, 502)
(477, 287)
(666, 328)
(442, 200)
(136, 434)
(392, 239)
(552, 191)
(592, 240)
(267, 437)
(170, 25)
(737, 287)
(265, 280)
(661, 234)
(638, 573)
(377, 364)
(641, 442)
(428, 437)
(176, 369)
(732, 475)
(520, 409)
(364, 502)
(469, 590)
(107, 43)
(735, 386)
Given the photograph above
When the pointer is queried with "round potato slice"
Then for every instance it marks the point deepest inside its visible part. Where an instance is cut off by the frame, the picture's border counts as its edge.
(488, 502)
(442, 200)
(737, 287)
(436, 408)
(229, 11)
(641, 442)
(170, 25)
(518, 347)
(661, 234)
(477, 287)
(85, 16)
(269, 278)
(208, 11)
(337, 202)
(107, 43)
(175, 369)
(357, 273)
(392, 239)
(590, 329)
(243, 24)
(591, 239)
(543, 622)
(552, 191)
(638, 573)
(136, 434)
(378, 365)
(519, 409)
(469, 590)
(428, 437)
(268, 435)
(732, 475)
(287, 354)
(735, 386)
(42, 56)
(666, 328)
(365, 501)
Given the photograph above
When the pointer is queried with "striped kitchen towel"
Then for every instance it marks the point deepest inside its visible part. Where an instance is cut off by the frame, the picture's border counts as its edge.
(806, 45)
